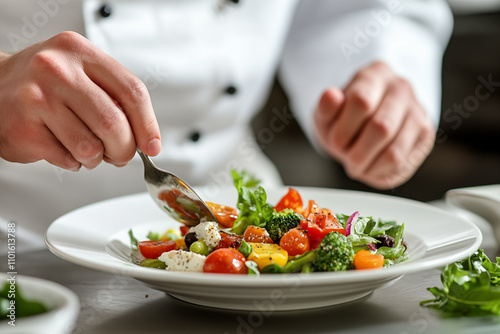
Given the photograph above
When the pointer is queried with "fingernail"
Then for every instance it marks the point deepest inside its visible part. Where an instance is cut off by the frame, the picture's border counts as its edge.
(75, 169)
(154, 147)
(120, 164)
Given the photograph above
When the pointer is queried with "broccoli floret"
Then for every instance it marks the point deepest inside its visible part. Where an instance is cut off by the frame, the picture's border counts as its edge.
(281, 222)
(334, 253)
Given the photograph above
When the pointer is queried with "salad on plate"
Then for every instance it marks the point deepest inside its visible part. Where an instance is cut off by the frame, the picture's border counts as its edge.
(291, 236)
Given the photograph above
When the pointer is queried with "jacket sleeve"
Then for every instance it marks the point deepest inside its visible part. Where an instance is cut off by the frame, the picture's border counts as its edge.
(331, 40)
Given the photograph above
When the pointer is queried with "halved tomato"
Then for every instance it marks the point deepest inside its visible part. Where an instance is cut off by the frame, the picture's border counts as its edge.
(153, 249)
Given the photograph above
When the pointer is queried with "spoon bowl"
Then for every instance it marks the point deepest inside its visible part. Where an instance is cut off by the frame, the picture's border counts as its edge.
(173, 195)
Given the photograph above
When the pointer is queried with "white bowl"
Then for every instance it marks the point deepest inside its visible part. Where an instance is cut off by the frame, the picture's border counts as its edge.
(481, 200)
(62, 303)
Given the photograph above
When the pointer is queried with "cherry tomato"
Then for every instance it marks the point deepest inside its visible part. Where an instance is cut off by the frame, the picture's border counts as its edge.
(225, 215)
(225, 261)
(296, 241)
(257, 234)
(318, 225)
(291, 200)
(153, 249)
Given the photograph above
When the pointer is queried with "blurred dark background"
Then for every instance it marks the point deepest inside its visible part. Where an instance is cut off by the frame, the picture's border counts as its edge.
(465, 154)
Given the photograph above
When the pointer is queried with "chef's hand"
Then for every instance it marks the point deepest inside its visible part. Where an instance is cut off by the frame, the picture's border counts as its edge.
(67, 102)
(375, 127)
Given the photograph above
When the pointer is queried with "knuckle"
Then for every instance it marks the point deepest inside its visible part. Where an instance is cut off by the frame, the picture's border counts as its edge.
(362, 102)
(402, 85)
(110, 121)
(87, 150)
(46, 60)
(32, 96)
(393, 156)
(356, 160)
(49, 66)
(68, 40)
(362, 76)
(354, 174)
(137, 92)
(379, 65)
(381, 127)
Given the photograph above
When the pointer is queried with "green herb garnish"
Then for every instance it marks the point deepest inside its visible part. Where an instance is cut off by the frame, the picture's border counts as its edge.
(471, 287)
(252, 205)
(133, 240)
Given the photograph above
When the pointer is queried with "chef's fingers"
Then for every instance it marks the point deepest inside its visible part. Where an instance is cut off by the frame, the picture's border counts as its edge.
(50, 76)
(398, 162)
(362, 98)
(84, 146)
(327, 111)
(58, 155)
(104, 119)
(380, 129)
(132, 96)
(37, 142)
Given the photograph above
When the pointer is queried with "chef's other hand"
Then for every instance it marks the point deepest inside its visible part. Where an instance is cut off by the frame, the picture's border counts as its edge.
(375, 127)
(69, 103)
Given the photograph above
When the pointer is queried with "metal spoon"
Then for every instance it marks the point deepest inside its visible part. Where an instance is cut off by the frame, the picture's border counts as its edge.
(174, 195)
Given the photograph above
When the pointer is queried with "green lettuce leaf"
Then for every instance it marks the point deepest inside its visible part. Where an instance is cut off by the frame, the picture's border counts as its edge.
(470, 288)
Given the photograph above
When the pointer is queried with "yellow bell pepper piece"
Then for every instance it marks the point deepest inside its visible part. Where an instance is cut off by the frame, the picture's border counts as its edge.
(265, 254)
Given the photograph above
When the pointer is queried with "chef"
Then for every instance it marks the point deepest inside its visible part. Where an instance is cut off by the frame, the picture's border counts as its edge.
(83, 82)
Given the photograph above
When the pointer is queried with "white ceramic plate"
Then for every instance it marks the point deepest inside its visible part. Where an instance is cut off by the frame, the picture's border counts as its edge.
(62, 303)
(96, 237)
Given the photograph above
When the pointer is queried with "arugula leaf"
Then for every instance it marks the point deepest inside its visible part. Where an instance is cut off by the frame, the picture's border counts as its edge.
(252, 205)
(470, 288)
(247, 180)
(133, 240)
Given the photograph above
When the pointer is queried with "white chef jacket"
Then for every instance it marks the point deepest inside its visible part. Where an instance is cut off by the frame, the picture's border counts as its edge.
(208, 65)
